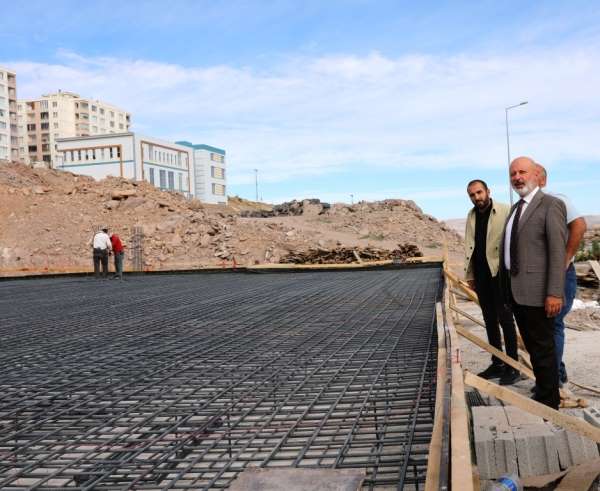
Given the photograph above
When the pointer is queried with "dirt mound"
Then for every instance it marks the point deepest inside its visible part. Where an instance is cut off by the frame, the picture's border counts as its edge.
(48, 217)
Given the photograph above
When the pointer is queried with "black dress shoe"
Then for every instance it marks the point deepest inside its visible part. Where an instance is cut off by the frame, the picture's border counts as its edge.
(510, 376)
(493, 371)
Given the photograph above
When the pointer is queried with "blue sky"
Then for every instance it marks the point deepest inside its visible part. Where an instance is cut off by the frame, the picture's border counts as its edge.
(379, 99)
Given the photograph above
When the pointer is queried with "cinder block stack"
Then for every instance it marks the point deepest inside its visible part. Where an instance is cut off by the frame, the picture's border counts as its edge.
(509, 440)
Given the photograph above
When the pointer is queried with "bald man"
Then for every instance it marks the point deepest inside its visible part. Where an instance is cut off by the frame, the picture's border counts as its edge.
(533, 269)
(576, 227)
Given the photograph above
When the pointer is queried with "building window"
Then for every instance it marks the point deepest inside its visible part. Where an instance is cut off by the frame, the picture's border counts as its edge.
(45, 126)
(162, 176)
(112, 114)
(94, 108)
(55, 126)
(79, 155)
(32, 148)
(31, 127)
(218, 189)
(54, 104)
(110, 153)
(180, 175)
(217, 157)
(152, 175)
(118, 152)
(217, 172)
(171, 180)
(101, 110)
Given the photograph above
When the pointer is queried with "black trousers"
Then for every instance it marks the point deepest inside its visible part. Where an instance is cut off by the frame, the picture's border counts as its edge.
(537, 332)
(100, 257)
(495, 311)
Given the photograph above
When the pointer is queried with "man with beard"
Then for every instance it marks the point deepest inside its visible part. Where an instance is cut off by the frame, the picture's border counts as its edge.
(483, 232)
(533, 267)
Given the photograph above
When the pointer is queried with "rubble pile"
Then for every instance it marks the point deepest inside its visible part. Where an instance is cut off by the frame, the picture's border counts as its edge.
(290, 208)
(48, 217)
(347, 255)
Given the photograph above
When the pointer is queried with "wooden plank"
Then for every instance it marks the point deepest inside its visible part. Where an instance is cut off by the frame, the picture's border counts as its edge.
(357, 256)
(494, 351)
(506, 395)
(461, 465)
(585, 387)
(434, 459)
(580, 477)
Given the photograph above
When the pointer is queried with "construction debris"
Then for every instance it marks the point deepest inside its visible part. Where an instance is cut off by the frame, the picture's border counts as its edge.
(345, 255)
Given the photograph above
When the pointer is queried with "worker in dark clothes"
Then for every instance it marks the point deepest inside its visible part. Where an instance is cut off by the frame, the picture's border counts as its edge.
(483, 232)
(119, 253)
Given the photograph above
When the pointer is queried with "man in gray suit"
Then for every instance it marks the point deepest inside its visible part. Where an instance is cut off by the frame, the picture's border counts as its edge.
(533, 259)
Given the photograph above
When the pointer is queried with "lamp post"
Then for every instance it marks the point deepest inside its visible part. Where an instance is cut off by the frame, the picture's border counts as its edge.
(256, 182)
(506, 109)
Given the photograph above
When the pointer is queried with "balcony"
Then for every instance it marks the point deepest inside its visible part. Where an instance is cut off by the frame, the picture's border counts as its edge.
(12, 82)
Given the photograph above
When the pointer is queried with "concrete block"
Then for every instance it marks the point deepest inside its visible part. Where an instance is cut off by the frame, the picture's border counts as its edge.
(518, 417)
(592, 416)
(537, 453)
(489, 416)
(293, 479)
(505, 450)
(485, 451)
(573, 448)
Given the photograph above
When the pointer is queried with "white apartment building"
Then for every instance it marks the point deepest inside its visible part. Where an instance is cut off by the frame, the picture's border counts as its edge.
(62, 115)
(164, 164)
(210, 173)
(8, 115)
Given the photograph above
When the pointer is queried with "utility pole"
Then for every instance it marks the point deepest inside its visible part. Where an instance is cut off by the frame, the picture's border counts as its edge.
(256, 182)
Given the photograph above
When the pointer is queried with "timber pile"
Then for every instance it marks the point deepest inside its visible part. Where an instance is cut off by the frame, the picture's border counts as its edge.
(347, 255)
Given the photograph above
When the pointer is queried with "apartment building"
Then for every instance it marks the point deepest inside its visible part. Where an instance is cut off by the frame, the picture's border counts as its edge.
(8, 115)
(166, 165)
(210, 173)
(41, 122)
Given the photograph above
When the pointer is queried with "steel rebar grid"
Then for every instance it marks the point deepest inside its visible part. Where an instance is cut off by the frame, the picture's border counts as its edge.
(181, 382)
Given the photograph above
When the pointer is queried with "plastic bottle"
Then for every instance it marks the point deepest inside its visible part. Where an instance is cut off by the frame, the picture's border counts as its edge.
(507, 482)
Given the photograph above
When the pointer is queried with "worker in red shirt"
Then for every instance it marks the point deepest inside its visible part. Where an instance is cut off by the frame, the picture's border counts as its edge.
(119, 252)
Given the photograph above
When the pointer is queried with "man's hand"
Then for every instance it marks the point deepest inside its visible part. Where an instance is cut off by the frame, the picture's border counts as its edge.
(553, 306)
(471, 284)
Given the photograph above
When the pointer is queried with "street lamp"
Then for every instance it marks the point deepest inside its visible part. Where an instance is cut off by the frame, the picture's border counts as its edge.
(506, 109)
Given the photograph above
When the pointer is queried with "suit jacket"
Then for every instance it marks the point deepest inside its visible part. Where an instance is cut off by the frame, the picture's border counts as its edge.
(495, 230)
(542, 251)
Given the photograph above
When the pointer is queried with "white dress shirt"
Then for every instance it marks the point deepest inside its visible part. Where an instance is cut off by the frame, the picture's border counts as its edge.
(102, 241)
(527, 199)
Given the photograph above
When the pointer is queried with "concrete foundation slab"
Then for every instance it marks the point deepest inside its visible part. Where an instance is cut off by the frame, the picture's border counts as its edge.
(294, 479)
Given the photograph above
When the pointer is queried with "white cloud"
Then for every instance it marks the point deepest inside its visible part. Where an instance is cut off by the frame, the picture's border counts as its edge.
(309, 117)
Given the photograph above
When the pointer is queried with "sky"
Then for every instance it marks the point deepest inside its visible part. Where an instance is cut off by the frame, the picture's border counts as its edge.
(339, 100)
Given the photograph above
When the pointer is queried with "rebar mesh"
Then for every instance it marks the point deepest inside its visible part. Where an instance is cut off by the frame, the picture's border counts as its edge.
(183, 381)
